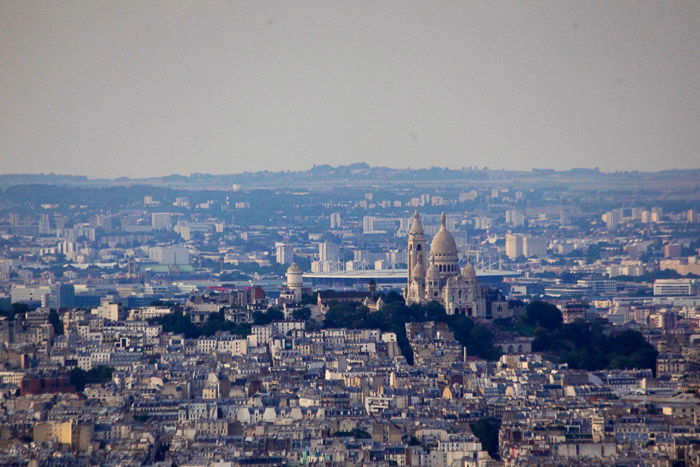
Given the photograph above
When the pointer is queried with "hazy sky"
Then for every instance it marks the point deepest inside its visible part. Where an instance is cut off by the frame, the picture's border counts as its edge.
(142, 88)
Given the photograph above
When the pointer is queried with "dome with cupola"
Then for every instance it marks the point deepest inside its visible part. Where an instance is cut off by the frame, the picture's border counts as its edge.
(469, 272)
(443, 244)
(433, 274)
(419, 271)
(416, 226)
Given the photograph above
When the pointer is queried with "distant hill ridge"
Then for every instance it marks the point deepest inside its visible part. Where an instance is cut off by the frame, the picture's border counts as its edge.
(324, 174)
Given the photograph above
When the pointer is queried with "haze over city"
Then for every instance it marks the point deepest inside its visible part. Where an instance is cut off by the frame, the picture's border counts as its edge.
(132, 88)
(349, 233)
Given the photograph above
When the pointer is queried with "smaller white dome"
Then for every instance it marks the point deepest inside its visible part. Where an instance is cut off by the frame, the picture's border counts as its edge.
(433, 273)
(416, 226)
(469, 272)
(418, 271)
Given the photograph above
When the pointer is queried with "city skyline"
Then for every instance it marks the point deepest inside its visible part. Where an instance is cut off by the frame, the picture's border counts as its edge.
(466, 169)
(340, 233)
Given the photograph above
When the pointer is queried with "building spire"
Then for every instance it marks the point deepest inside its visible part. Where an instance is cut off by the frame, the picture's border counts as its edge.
(443, 220)
(416, 226)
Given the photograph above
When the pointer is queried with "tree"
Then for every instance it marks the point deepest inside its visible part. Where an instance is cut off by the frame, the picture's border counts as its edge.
(56, 322)
(15, 309)
(217, 322)
(392, 296)
(307, 299)
(591, 346)
(177, 323)
(395, 314)
(344, 315)
(100, 374)
(180, 323)
(487, 431)
(301, 314)
(266, 317)
(543, 314)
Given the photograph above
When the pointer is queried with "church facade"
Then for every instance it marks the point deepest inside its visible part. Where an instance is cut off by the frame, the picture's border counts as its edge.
(435, 275)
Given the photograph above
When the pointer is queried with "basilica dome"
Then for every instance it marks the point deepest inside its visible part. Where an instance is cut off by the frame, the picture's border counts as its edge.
(443, 245)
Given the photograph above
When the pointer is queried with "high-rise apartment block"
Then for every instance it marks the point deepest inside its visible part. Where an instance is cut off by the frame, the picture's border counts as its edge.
(161, 221)
(328, 251)
(170, 255)
(284, 253)
(515, 218)
(612, 218)
(514, 246)
(534, 246)
(518, 245)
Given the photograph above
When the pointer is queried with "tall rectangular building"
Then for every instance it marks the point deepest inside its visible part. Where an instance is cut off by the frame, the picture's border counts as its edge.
(161, 221)
(328, 251)
(515, 218)
(612, 218)
(170, 255)
(284, 253)
(514, 246)
(534, 246)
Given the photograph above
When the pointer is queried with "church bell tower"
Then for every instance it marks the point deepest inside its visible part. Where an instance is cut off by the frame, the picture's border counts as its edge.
(416, 261)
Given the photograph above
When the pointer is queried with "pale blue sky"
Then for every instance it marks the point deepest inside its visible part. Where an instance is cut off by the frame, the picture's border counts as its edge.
(144, 88)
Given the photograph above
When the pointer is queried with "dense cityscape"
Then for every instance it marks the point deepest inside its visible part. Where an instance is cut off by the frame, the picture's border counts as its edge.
(351, 315)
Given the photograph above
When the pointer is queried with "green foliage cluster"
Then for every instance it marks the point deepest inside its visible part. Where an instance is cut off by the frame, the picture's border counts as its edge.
(395, 314)
(581, 345)
(356, 433)
(262, 318)
(307, 299)
(486, 429)
(56, 322)
(542, 314)
(302, 314)
(100, 374)
(587, 346)
(180, 323)
(14, 310)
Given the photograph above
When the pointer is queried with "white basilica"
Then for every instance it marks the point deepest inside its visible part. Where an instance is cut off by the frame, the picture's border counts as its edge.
(441, 279)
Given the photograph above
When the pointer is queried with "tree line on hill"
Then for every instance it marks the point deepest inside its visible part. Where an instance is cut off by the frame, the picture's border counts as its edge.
(582, 345)
(178, 322)
(593, 345)
(394, 315)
